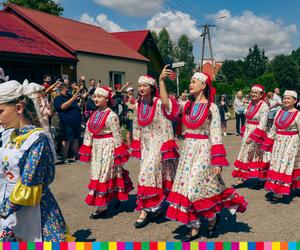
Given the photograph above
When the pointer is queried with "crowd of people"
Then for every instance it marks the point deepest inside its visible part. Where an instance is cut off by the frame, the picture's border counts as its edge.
(39, 121)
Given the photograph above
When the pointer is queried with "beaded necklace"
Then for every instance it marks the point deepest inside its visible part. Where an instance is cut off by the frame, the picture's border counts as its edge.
(252, 110)
(285, 119)
(97, 121)
(197, 116)
(146, 113)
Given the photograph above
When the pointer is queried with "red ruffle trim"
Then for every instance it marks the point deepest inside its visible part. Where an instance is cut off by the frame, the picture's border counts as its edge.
(85, 153)
(296, 185)
(174, 114)
(296, 179)
(176, 214)
(135, 148)
(281, 177)
(206, 207)
(121, 155)
(242, 131)
(218, 150)
(219, 161)
(251, 165)
(296, 175)
(277, 188)
(267, 145)
(258, 136)
(250, 170)
(169, 150)
(218, 154)
(117, 188)
(152, 197)
(250, 175)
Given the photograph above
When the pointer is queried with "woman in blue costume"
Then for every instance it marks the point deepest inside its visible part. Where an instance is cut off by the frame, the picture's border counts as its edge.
(28, 209)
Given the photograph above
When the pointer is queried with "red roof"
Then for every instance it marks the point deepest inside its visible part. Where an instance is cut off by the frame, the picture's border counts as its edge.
(134, 39)
(208, 68)
(77, 36)
(16, 36)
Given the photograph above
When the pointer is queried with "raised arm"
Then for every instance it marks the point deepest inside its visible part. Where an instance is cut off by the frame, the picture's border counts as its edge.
(162, 87)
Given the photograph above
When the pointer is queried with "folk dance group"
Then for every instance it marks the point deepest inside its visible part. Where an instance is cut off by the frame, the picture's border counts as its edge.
(190, 180)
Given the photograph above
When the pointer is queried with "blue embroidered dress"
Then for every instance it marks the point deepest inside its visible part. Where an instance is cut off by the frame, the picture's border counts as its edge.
(27, 206)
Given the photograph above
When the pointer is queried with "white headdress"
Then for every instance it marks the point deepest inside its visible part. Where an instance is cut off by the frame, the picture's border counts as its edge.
(291, 93)
(200, 76)
(12, 90)
(147, 79)
(129, 89)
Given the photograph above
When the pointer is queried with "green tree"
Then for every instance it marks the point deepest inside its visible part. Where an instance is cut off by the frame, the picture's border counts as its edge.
(165, 45)
(48, 6)
(232, 69)
(268, 80)
(286, 72)
(222, 88)
(240, 84)
(155, 36)
(184, 52)
(255, 63)
(296, 55)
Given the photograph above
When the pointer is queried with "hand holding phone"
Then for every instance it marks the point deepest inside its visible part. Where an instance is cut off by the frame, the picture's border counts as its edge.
(168, 72)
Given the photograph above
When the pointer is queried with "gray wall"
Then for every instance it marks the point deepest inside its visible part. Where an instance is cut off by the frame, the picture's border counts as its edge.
(98, 67)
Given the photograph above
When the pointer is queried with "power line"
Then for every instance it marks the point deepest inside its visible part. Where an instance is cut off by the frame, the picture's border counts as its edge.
(189, 10)
(176, 5)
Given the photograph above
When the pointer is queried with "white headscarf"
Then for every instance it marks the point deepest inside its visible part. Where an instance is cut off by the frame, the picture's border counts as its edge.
(12, 90)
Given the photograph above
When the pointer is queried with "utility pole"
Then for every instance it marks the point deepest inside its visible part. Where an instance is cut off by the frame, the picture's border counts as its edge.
(207, 32)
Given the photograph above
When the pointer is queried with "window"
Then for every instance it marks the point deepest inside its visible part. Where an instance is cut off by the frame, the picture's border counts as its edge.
(116, 78)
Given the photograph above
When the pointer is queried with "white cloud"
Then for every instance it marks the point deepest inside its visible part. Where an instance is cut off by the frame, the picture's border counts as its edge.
(102, 21)
(234, 35)
(177, 23)
(132, 7)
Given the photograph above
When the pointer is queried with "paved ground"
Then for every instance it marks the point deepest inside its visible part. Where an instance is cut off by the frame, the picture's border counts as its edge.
(261, 222)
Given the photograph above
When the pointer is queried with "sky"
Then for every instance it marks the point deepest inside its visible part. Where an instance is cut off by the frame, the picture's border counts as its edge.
(271, 24)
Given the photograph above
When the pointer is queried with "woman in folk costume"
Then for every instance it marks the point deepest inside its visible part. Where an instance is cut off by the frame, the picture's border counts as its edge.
(153, 142)
(251, 161)
(198, 189)
(104, 147)
(28, 209)
(284, 142)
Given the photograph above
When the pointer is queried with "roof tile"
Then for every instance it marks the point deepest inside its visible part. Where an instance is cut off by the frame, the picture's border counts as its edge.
(16, 36)
(76, 35)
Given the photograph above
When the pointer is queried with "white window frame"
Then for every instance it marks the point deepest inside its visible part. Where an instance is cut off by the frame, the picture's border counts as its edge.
(112, 78)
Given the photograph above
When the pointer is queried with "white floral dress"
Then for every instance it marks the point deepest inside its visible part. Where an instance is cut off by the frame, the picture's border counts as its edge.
(252, 162)
(283, 141)
(153, 142)
(104, 147)
(197, 190)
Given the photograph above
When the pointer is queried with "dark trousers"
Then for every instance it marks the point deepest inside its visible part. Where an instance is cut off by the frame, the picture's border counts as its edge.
(239, 122)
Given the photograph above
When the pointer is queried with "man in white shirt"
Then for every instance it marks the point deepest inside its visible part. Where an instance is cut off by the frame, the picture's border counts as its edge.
(277, 99)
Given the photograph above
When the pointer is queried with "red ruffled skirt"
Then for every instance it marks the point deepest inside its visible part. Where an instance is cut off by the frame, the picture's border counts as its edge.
(281, 183)
(100, 193)
(183, 210)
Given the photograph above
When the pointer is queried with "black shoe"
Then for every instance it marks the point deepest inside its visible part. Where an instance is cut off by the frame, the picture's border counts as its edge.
(238, 185)
(156, 215)
(276, 200)
(144, 222)
(189, 237)
(97, 215)
(212, 233)
(117, 204)
(269, 196)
